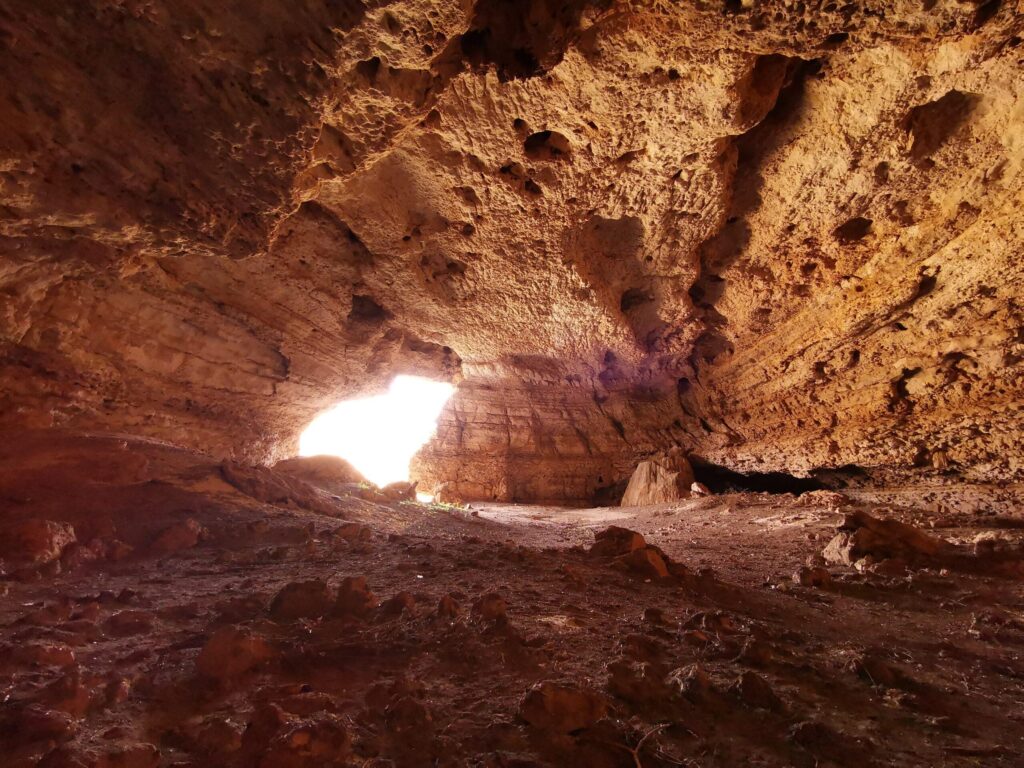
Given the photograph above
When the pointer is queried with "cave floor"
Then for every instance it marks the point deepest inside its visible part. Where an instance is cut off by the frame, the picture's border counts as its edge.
(733, 664)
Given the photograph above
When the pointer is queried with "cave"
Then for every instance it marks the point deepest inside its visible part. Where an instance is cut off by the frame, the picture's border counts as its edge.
(511, 383)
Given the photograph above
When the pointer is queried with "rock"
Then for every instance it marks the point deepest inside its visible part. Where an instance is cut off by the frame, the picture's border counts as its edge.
(615, 541)
(659, 480)
(352, 533)
(693, 683)
(130, 756)
(331, 473)
(178, 537)
(40, 723)
(34, 543)
(231, 652)
(813, 577)
(68, 694)
(561, 708)
(637, 682)
(323, 740)
(448, 493)
(861, 535)
(400, 491)
(647, 562)
(302, 600)
(267, 721)
(43, 654)
(754, 691)
(355, 600)
(447, 607)
(397, 605)
(408, 715)
(828, 499)
(491, 607)
(699, 489)
(877, 671)
(129, 622)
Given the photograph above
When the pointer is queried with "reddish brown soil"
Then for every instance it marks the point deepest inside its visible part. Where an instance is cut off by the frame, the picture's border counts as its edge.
(739, 666)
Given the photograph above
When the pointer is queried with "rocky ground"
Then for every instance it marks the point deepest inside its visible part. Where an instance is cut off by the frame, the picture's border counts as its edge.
(176, 611)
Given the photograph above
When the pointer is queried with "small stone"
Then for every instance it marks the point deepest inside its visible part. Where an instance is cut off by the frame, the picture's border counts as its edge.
(646, 562)
(397, 605)
(355, 599)
(352, 533)
(638, 682)
(321, 741)
(693, 683)
(754, 691)
(561, 708)
(129, 622)
(302, 600)
(38, 723)
(699, 489)
(231, 652)
(491, 607)
(447, 607)
(44, 654)
(615, 541)
(34, 543)
(400, 491)
(178, 537)
(813, 577)
(876, 671)
(130, 756)
(68, 694)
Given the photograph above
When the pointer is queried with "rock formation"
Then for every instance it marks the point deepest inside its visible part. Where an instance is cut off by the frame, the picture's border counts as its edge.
(782, 236)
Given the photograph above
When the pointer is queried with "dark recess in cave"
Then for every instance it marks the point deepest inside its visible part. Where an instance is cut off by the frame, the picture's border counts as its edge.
(724, 480)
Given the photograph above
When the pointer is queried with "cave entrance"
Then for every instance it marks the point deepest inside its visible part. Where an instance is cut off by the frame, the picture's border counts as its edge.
(379, 435)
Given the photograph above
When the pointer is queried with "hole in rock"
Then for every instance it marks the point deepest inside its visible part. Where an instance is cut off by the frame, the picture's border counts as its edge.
(546, 145)
(853, 230)
(379, 435)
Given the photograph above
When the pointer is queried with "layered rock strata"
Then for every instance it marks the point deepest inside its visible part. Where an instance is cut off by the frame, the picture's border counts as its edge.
(783, 237)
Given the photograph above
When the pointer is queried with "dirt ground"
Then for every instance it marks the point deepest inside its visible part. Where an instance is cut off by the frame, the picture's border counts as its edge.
(493, 637)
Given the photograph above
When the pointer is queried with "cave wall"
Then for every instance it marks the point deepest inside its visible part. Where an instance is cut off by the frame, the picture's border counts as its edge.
(782, 236)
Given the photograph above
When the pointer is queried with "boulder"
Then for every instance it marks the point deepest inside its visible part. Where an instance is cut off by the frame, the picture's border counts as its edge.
(862, 535)
(659, 480)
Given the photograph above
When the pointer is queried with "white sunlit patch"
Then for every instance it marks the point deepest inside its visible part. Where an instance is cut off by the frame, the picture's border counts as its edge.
(379, 435)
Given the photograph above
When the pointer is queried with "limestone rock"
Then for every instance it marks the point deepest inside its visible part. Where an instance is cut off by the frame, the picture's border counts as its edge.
(862, 535)
(659, 480)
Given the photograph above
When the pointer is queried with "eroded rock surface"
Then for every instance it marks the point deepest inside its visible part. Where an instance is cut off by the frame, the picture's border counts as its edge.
(780, 236)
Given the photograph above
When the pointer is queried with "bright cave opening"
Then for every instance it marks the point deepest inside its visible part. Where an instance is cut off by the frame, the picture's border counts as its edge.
(379, 435)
